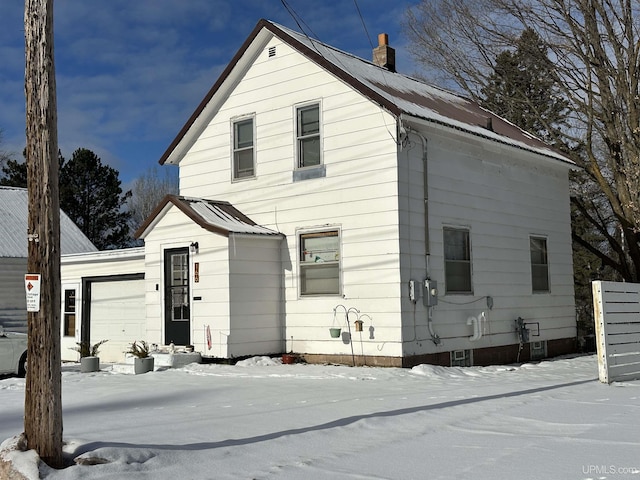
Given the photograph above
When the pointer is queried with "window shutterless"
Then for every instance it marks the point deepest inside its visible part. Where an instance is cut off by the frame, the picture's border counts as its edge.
(308, 135)
(243, 149)
(457, 260)
(320, 263)
(539, 264)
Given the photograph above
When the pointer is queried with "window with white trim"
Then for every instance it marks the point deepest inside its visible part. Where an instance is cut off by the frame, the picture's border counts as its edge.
(539, 264)
(320, 263)
(69, 313)
(457, 260)
(308, 135)
(243, 149)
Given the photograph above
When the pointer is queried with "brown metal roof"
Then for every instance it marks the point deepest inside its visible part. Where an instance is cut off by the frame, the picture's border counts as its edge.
(397, 93)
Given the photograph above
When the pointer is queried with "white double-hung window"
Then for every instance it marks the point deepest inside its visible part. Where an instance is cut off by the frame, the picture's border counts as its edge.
(308, 135)
(539, 264)
(320, 263)
(243, 148)
(457, 260)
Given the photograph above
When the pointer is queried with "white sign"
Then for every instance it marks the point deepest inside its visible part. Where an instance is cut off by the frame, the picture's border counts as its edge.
(32, 287)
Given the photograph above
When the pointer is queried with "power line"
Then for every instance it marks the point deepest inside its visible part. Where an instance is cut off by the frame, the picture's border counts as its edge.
(363, 23)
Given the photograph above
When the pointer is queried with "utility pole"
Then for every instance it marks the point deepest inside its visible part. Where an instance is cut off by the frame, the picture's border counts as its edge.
(43, 399)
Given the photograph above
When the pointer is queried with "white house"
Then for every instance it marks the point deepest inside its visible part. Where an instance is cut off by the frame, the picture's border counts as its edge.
(13, 255)
(321, 190)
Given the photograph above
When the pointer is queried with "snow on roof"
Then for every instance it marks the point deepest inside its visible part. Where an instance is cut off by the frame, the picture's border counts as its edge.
(14, 213)
(402, 94)
(213, 215)
(225, 216)
(399, 94)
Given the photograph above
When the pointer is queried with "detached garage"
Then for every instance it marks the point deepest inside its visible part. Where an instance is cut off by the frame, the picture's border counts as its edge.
(103, 299)
(14, 210)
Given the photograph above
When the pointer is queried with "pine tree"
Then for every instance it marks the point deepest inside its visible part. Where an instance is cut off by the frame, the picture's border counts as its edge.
(91, 195)
(523, 89)
(14, 174)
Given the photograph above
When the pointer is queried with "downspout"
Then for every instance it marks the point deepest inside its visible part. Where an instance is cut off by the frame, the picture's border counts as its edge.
(427, 250)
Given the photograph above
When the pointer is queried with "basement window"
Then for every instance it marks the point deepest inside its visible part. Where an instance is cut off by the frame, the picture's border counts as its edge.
(461, 358)
(538, 350)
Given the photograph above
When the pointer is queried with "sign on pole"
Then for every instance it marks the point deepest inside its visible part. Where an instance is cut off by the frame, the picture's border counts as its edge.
(32, 288)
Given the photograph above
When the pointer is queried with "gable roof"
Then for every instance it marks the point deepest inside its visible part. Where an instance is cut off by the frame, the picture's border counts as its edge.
(399, 94)
(213, 215)
(14, 219)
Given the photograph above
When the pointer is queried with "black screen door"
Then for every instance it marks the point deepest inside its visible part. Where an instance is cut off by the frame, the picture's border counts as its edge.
(177, 317)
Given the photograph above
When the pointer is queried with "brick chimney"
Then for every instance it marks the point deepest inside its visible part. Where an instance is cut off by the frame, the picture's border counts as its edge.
(383, 55)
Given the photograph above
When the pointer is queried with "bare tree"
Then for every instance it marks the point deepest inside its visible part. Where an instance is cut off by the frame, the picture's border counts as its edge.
(147, 192)
(595, 47)
(43, 399)
(4, 156)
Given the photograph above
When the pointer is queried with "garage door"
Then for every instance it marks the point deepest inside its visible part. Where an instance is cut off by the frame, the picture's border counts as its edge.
(118, 315)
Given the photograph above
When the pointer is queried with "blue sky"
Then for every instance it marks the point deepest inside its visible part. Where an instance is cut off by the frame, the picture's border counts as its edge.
(130, 72)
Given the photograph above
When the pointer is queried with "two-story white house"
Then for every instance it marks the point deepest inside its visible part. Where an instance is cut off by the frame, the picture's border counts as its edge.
(319, 190)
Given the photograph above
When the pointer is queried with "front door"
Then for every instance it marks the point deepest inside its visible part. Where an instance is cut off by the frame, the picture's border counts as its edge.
(177, 325)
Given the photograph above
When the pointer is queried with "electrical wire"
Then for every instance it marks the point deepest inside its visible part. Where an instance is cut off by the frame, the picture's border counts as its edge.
(363, 24)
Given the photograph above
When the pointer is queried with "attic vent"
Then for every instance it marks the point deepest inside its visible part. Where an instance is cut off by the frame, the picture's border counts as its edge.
(272, 51)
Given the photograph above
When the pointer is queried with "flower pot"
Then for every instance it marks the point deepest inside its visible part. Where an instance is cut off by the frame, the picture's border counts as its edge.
(335, 332)
(289, 358)
(142, 365)
(89, 364)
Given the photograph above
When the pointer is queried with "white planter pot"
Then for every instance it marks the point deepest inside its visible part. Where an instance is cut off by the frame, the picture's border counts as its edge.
(142, 365)
(89, 364)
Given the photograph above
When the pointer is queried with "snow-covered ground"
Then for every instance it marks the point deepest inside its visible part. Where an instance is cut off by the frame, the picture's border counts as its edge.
(260, 419)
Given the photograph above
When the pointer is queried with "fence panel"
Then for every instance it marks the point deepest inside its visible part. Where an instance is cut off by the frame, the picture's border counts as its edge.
(616, 308)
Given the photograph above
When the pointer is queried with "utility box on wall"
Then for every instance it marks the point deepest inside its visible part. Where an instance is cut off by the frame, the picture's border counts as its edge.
(430, 297)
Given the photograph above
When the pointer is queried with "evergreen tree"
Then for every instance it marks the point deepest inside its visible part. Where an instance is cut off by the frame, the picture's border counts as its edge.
(91, 195)
(523, 88)
(14, 174)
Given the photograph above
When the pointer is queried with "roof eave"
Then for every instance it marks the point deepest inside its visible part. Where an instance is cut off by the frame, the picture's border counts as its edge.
(172, 153)
(552, 155)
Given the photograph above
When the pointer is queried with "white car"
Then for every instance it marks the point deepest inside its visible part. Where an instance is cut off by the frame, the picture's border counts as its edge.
(13, 353)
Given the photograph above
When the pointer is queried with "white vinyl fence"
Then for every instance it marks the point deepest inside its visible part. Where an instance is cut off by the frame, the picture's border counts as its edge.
(617, 315)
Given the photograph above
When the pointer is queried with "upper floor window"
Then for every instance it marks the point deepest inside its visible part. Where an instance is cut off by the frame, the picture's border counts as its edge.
(539, 264)
(243, 149)
(308, 135)
(457, 260)
(320, 263)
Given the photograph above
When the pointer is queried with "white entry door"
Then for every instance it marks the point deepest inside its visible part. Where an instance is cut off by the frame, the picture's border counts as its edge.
(70, 320)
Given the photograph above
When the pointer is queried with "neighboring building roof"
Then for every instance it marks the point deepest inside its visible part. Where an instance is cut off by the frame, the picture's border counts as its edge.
(212, 215)
(14, 217)
(397, 93)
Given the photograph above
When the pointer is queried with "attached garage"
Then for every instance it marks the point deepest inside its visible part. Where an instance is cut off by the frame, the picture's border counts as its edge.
(103, 298)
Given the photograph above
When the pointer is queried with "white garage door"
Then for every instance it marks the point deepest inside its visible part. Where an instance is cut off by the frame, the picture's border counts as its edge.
(118, 315)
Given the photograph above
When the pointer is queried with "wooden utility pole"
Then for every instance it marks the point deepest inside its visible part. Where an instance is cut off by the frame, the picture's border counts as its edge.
(43, 399)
